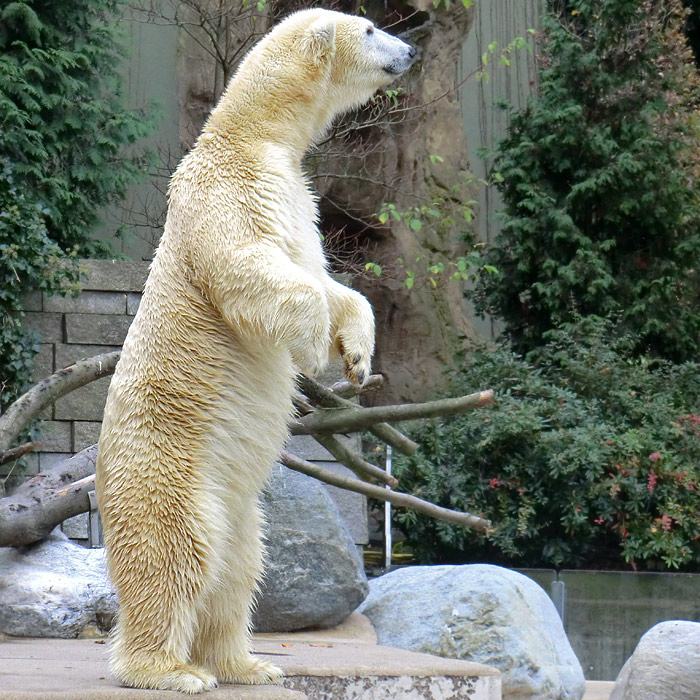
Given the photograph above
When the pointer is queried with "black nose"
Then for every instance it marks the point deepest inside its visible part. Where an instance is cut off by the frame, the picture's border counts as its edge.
(411, 51)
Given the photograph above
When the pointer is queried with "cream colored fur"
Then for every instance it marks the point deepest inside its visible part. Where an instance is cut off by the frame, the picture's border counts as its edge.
(237, 302)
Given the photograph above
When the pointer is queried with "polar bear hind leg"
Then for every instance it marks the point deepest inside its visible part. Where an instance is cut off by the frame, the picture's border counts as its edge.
(222, 640)
(160, 579)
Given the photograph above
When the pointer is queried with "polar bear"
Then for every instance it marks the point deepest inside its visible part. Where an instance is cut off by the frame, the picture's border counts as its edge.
(238, 301)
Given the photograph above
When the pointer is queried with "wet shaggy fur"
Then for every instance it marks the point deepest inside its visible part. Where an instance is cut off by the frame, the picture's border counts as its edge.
(238, 301)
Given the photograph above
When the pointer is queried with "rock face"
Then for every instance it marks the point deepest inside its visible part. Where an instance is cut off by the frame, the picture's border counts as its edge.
(664, 666)
(54, 589)
(314, 575)
(480, 613)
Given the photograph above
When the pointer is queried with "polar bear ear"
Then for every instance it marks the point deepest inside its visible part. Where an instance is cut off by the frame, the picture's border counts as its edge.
(319, 37)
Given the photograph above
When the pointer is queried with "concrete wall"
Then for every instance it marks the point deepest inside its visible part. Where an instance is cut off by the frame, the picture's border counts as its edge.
(605, 613)
(485, 124)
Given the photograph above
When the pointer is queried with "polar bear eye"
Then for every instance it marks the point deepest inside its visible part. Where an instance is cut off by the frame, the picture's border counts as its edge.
(370, 30)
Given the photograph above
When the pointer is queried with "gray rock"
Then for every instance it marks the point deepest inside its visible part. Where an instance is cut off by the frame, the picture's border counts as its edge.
(314, 576)
(664, 666)
(54, 589)
(481, 613)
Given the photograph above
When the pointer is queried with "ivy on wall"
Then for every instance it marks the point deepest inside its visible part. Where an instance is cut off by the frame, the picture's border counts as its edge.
(65, 152)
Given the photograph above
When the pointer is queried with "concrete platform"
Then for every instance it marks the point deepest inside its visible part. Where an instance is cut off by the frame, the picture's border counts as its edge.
(598, 690)
(340, 664)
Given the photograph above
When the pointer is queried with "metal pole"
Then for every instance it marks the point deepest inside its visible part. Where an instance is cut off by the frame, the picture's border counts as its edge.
(387, 517)
(94, 538)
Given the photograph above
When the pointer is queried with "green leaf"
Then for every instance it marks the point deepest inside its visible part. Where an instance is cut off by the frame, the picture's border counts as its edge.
(415, 224)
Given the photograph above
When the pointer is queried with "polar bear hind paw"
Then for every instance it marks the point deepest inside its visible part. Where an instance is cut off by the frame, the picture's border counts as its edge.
(186, 679)
(253, 671)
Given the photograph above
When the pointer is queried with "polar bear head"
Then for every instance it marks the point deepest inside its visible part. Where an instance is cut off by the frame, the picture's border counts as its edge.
(311, 67)
(363, 58)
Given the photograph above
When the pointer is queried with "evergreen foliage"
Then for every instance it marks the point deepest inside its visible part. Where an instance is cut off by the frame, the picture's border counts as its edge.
(588, 460)
(65, 152)
(62, 115)
(29, 259)
(600, 182)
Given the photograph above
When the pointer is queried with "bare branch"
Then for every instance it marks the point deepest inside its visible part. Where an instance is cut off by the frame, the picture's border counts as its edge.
(328, 399)
(347, 457)
(19, 451)
(402, 500)
(345, 389)
(40, 504)
(349, 420)
(28, 406)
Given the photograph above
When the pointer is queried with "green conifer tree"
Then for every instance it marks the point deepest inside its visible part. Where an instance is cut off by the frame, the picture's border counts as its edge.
(602, 198)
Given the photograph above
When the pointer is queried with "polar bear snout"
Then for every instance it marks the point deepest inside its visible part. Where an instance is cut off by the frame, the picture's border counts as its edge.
(396, 56)
(402, 64)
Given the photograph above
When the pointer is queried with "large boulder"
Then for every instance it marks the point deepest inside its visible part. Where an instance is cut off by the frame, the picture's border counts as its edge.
(664, 666)
(480, 613)
(54, 589)
(314, 576)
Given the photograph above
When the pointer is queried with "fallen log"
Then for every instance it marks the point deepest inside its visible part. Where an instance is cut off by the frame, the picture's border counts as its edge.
(40, 504)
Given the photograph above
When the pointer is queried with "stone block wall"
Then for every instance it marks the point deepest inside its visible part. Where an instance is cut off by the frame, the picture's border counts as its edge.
(74, 328)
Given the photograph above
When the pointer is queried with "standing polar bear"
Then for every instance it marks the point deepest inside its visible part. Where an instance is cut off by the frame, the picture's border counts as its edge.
(237, 302)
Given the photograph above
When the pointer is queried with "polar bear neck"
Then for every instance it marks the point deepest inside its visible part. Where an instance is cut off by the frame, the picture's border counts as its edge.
(290, 124)
(264, 103)
(289, 87)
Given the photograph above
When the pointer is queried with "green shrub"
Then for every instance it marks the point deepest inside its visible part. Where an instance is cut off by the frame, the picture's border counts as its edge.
(600, 182)
(591, 459)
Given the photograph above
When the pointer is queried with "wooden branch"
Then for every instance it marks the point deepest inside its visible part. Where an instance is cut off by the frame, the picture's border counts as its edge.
(19, 451)
(346, 389)
(353, 461)
(28, 406)
(329, 399)
(402, 500)
(348, 420)
(45, 501)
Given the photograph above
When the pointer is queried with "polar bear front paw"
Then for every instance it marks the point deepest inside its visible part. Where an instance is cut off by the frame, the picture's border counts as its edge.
(356, 366)
(355, 343)
(310, 351)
